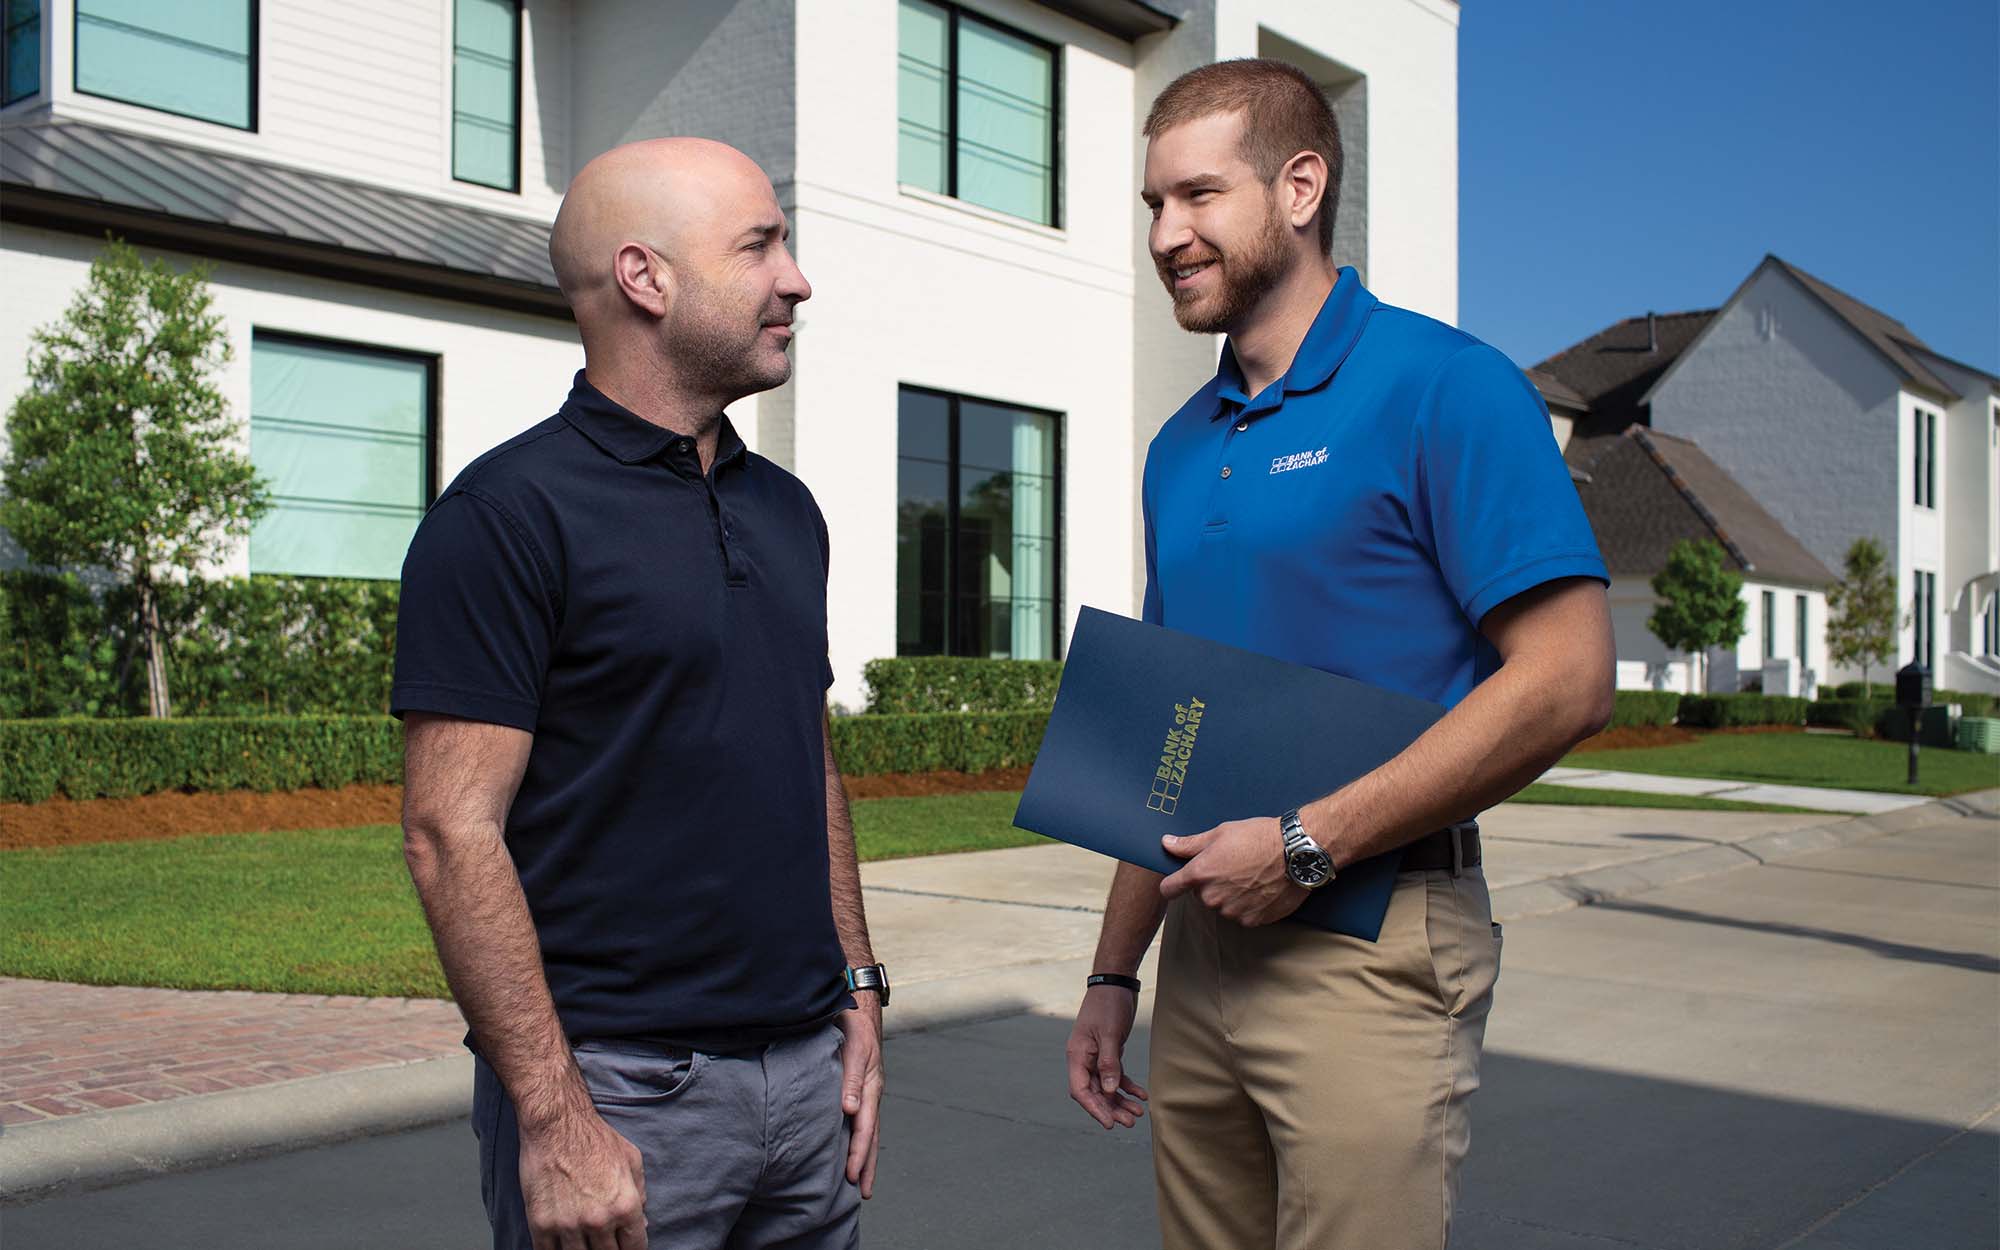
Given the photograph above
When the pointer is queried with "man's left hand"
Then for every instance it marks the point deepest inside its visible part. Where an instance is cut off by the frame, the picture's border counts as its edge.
(861, 1087)
(1236, 869)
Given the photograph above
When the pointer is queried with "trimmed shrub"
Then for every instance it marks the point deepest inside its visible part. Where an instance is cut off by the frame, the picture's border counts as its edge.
(942, 683)
(1936, 728)
(1643, 708)
(1720, 711)
(92, 759)
(968, 742)
(1857, 715)
(1883, 690)
(1970, 702)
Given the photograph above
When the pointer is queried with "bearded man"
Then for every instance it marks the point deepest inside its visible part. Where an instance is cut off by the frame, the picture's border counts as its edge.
(1367, 491)
(621, 811)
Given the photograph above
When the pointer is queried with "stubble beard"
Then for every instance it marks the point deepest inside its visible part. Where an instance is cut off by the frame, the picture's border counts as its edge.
(720, 350)
(1246, 275)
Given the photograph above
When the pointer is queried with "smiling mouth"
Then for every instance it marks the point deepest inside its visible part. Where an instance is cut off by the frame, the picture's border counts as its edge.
(1185, 273)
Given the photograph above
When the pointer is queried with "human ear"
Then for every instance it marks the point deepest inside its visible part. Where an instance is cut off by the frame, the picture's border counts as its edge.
(1303, 181)
(643, 277)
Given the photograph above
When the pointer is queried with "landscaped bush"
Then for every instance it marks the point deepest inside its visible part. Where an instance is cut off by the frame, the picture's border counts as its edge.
(1971, 702)
(90, 759)
(931, 742)
(240, 647)
(1719, 711)
(942, 683)
(1882, 690)
(1857, 715)
(1643, 708)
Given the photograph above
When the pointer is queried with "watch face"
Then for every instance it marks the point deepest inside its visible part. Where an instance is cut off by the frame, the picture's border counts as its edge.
(1307, 867)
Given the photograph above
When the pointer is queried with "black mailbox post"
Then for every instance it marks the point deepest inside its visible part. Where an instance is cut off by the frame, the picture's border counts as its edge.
(1913, 691)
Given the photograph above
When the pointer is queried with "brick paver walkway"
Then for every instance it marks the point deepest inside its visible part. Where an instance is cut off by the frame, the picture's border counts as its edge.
(74, 1049)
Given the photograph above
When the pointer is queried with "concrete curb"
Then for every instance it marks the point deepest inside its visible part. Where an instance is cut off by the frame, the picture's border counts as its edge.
(1580, 889)
(88, 1152)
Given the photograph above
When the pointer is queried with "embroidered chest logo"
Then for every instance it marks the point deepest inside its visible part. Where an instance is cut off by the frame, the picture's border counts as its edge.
(1297, 460)
(1175, 754)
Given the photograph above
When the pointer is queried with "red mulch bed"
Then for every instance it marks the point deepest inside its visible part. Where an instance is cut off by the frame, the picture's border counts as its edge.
(1670, 735)
(66, 822)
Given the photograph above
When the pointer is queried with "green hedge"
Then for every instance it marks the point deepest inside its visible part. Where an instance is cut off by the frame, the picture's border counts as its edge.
(939, 683)
(92, 759)
(1857, 715)
(1643, 708)
(1718, 711)
(1971, 702)
(283, 646)
(968, 742)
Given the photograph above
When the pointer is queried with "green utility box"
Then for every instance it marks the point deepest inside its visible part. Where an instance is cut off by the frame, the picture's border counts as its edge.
(1979, 733)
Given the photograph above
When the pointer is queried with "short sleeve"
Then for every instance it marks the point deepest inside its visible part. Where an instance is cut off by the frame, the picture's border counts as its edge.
(1499, 511)
(477, 622)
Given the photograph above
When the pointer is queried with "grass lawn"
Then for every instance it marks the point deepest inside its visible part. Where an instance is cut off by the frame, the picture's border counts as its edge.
(1578, 796)
(1805, 760)
(332, 911)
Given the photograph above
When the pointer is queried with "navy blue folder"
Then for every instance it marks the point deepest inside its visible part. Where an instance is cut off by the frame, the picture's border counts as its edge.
(1157, 732)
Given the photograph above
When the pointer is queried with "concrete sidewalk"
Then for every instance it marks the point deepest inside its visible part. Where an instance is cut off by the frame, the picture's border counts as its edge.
(102, 1084)
(1817, 798)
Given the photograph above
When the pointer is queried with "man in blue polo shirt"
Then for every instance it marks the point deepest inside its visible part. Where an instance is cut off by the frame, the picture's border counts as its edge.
(621, 811)
(1372, 493)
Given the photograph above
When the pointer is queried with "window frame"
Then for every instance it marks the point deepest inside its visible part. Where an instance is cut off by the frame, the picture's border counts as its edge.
(953, 14)
(256, 72)
(433, 362)
(520, 59)
(7, 94)
(1801, 636)
(1924, 644)
(1925, 467)
(1770, 630)
(952, 400)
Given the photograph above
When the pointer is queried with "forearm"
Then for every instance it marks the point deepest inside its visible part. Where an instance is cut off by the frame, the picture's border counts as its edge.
(1132, 916)
(1502, 736)
(850, 918)
(486, 941)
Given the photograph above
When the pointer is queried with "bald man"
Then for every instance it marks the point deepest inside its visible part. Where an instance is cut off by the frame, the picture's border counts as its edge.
(621, 812)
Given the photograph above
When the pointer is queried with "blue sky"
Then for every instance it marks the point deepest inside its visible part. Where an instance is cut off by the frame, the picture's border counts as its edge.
(1618, 157)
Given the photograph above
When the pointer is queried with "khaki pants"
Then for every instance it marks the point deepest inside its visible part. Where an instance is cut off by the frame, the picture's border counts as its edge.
(1309, 1089)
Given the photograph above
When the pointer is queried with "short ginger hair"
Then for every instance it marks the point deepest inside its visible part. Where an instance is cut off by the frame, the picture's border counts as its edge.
(1284, 113)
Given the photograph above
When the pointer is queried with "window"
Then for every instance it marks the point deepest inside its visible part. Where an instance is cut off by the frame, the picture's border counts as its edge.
(1801, 638)
(343, 435)
(21, 71)
(1924, 611)
(1926, 458)
(976, 111)
(1989, 624)
(978, 528)
(486, 93)
(1770, 624)
(196, 58)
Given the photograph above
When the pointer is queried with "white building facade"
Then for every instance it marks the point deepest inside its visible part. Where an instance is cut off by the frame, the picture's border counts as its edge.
(987, 352)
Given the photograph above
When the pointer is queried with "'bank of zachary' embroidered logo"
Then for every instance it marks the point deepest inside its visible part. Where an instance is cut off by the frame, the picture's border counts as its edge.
(1298, 460)
(1175, 753)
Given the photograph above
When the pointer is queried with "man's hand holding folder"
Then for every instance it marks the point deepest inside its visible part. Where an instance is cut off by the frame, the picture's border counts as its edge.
(1234, 869)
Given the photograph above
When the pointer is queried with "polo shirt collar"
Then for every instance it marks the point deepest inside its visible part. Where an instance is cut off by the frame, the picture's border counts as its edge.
(1334, 331)
(625, 435)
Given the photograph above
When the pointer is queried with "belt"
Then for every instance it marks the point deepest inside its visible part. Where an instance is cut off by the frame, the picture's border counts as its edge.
(1452, 850)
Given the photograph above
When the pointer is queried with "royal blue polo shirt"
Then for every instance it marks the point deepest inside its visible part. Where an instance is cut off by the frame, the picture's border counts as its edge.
(662, 633)
(1367, 510)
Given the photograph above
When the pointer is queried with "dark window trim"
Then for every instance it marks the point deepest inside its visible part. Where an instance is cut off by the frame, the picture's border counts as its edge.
(1770, 624)
(1801, 635)
(952, 563)
(8, 95)
(520, 44)
(256, 71)
(953, 15)
(433, 363)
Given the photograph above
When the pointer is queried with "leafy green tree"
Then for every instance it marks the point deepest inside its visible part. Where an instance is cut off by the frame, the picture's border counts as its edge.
(1701, 603)
(1861, 621)
(122, 453)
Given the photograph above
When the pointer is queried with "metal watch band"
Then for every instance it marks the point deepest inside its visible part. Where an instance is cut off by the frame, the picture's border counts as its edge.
(872, 977)
(1118, 979)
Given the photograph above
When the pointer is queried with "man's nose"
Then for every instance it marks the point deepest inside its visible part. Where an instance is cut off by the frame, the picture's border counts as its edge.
(1170, 233)
(792, 284)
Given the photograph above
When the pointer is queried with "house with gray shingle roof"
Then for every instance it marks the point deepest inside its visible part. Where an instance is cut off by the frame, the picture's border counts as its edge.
(1840, 423)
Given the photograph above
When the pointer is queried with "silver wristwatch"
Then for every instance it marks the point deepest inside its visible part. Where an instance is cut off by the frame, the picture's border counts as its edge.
(1305, 863)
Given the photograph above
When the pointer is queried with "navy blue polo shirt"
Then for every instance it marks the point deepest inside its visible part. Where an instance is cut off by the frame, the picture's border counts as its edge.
(662, 634)
(1366, 511)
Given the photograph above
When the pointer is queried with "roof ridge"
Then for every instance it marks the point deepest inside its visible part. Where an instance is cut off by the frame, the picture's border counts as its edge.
(1643, 437)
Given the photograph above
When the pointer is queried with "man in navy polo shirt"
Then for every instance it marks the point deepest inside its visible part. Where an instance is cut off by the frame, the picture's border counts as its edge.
(621, 810)
(1372, 493)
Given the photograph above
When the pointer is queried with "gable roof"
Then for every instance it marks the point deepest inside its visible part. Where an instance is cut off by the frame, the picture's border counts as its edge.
(1612, 369)
(1647, 491)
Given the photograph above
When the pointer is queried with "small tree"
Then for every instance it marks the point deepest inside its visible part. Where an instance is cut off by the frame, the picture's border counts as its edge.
(1701, 603)
(1861, 622)
(122, 453)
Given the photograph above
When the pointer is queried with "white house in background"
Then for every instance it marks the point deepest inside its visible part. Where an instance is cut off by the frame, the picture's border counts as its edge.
(987, 352)
(1645, 493)
(1841, 424)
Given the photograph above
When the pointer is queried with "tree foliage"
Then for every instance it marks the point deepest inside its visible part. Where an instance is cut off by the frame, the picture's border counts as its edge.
(1861, 618)
(123, 455)
(1701, 601)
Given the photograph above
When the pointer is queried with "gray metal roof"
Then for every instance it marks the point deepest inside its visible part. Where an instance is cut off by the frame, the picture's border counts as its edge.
(1130, 20)
(70, 175)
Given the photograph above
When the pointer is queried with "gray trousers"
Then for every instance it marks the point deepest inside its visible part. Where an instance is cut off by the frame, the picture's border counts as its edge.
(743, 1151)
